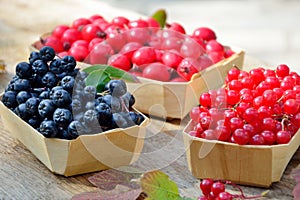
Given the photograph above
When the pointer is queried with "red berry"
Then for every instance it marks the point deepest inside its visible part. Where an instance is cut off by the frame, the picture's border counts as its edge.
(55, 43)
(283, 137)
(157, 71)
(140, 35)
(190, 48)
(291, 106)
(140, 23)
(119, 61)
(153, 23)
(187, 68)
(205, 99)
(205, 33)
(241, 136)
(233, 74)
(236, 123)
(144, 55)
(250, 114)
(217, 188)
(70, 36)
(214, 46)
(100, 54)
(269, 137)
(171, 58)
(257, 139)
(129, 48)
(282, 70)
(120, 21)
(222, 132)
(91, 31)
(194, 113)
(225, 196)
(80, 22)
(176, 27)
(205, 186)
(93, 42)
(79, 52)
(59, 30)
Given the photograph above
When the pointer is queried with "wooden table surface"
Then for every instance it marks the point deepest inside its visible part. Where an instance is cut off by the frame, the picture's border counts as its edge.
(23, 176)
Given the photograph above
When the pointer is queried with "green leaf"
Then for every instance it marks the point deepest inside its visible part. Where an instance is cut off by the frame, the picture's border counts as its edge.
(160, 16)
(112, 72)
(158, 186)
(98, 78)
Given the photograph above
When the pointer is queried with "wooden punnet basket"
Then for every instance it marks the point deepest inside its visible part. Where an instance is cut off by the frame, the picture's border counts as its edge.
(87, 153)
(175, 100)
(244, 164)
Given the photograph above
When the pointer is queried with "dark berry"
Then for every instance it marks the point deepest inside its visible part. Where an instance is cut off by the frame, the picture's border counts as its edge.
(104, 114)
(68, 83)
(34, 56)
(81, 75)
(113, 102)
(62, 117)
(117, 88)
(34, 122)
(68, 63)
(119, 121)
(39, 67)
(90, 119)
(135, 118)
(47, 53)
(61, 98)
(21, 84)
(90, 105)
(48, 128)
(36, 80)
(23, 96)
(89, 92)
(76, 105)
(44, 95)
(128, 99)
(54, 89)
(23, 70)
(46, 108)
(75, 129)
(32, 105)
(55, 66)
(21, 111)
(49, 80)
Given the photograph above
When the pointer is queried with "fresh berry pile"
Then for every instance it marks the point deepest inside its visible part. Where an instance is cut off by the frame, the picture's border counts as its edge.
(259, 107)
(139, 46)
(216, 190)
(50, 94)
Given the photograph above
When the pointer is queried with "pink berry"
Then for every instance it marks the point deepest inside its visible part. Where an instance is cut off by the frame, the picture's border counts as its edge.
(171, 58)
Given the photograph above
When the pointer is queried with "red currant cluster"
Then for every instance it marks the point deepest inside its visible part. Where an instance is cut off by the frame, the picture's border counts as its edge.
(259, 107)
(133, 45)
(216, 190)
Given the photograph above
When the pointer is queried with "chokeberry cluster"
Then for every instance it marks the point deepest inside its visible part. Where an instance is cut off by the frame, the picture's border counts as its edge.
(50, 94)
(139, 46)
(216, 190)
(259, 107)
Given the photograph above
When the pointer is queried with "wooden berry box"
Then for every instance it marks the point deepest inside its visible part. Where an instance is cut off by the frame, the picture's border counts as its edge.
(176, 99)
(244, 164)
(87, 153)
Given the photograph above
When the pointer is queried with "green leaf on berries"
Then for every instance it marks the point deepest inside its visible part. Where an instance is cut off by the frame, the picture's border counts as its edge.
(161, 17)
(98, 78)
(112, 72)
(158, 186)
